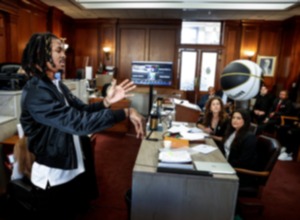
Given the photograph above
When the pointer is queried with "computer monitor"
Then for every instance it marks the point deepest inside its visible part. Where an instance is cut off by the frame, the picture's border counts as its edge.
(154, 73)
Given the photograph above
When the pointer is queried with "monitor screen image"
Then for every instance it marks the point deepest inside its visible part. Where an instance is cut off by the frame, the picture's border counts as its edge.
(152, 73)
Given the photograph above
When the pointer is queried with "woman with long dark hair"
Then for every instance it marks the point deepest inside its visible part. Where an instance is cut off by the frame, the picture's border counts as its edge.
(240, 142)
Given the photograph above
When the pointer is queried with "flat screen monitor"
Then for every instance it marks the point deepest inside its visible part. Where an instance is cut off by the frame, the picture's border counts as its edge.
(153, 73)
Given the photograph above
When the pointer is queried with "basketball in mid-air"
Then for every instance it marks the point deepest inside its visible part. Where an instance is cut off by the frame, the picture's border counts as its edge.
(241, 80)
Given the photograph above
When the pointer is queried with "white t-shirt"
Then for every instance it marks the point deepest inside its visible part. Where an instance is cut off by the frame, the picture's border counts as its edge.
(228, 143)
(41, 174)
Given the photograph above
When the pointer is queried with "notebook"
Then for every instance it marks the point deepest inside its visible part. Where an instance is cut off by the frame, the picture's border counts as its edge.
(214, 167)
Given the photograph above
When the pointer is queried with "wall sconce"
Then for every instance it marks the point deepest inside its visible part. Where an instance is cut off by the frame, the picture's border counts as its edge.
(107, 52)
(249, 54)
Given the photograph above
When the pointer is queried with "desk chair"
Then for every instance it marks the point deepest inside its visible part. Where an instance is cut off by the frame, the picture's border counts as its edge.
(249, 197)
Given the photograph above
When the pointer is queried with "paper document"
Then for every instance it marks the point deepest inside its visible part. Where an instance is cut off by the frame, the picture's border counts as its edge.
(178, 128)
(203, 148)
(193, 136)
(195, 130)
(175, 157)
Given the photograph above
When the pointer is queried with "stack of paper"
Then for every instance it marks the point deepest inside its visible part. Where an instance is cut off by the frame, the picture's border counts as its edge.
(175, 156)
(193, 136)
(202, 148)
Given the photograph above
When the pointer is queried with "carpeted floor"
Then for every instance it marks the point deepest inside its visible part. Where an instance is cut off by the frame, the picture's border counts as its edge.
(282, 193)
(114, 159)
(115, 155)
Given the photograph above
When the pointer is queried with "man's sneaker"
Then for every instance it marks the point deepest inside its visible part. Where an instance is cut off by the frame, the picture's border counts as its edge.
(285, 157)
(283, 149)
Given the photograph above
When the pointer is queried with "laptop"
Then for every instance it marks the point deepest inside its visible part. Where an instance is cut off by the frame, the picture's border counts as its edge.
(214, 167)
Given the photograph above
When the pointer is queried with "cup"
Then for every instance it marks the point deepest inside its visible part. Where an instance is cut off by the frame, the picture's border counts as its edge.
(167, 144)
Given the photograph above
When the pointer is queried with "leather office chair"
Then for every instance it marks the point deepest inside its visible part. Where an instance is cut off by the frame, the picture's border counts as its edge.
(249, 197)
(9, 67)
(10, 79)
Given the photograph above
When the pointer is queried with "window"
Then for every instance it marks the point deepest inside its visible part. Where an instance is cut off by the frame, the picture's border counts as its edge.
(201, 33)
(188, 70)
(208, 70)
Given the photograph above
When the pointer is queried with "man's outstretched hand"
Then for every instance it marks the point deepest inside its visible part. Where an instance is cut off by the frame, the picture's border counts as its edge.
(116, 93)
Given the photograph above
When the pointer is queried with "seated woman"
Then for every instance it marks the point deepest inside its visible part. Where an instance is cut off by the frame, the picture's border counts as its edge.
(240, 143)
(215, 119)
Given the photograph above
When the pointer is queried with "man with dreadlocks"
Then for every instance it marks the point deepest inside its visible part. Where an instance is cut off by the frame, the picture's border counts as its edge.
(57, 123)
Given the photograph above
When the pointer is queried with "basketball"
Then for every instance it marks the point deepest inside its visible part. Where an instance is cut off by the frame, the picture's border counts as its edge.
(241, 80)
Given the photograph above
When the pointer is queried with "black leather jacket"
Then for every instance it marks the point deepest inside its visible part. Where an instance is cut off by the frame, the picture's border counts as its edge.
(50, 124)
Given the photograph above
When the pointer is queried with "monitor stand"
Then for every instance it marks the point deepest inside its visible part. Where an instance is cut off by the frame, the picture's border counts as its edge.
(150, 99)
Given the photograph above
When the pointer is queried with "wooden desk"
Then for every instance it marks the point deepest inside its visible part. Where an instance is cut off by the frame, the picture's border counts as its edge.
(187, 113)
(168, 196)
(6, 149)
(9, 143)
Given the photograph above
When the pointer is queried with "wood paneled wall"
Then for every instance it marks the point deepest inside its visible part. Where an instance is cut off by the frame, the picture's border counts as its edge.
(149, 40)
(2, 39)
(232, 41)
(21, 21)
(290, 59)
(89, 39)
(264, 38)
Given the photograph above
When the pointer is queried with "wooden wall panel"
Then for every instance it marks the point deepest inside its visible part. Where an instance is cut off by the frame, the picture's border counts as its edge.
(132, 47)
(86, 46)
(270, 41)
(2, 39)
(107, 39)
(38, 22)
(68, 33)
(269, 45)
(293, 75)
(162, 45)
(250, 38)
(12, 38)
(146, 41)
(24, 27)
(232, 32)
(55, 22)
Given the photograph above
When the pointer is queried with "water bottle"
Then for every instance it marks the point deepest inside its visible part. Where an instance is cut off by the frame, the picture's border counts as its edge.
(170, 120)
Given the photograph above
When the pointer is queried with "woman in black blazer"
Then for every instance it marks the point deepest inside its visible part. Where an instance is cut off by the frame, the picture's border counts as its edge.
(240, 143)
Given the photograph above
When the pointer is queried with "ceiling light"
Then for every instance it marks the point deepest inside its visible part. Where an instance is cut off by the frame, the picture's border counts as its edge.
(188, 4)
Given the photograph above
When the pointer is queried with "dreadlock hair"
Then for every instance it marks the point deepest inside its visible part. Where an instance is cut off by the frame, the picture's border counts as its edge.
(208, 115)
(242, 131)
(37, 53)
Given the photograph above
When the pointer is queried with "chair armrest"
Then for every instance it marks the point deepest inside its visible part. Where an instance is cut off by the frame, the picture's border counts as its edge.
(285, 117)
(252, 172)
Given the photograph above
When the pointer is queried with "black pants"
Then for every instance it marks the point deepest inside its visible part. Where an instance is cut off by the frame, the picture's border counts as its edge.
(289, 137)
